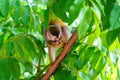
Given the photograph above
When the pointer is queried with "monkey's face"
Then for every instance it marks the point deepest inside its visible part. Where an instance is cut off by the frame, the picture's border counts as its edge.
(53, 40)
(54, 35)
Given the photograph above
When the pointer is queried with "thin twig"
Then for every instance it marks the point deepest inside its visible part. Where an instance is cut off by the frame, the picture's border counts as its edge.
(86, 35)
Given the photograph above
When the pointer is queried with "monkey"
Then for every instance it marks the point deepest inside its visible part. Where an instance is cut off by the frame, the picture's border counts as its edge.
(57, 35)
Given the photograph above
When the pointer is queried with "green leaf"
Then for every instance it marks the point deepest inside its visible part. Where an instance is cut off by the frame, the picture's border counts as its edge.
(32, 23)
(29, 45)
(112, 35)
(38, 44)
(119, 37)
(68, 10)
(83, 76)
(62, 14)
(103, 37)
(95, 59)
(91, 25)
(108, 6)
(4, 70)
(28, 67)
(115, 17)
(4, 8)
(9, 49)
(46, 18)
(91, 38)
(14, 68)
(19, 49)
(74, 10)
(12, 3)
(24, 47)
(16, 11)
(84, 57)
(9, 67)
(78, 63)
(96, 11)
(100, 5)
(26, 16)
(101, 65)
(34, 8)
(84, 22)
(27, 49)
(76, 45)
(79, 59)
(1, 40)
(64, 74)
(37, 25)
(88, 54)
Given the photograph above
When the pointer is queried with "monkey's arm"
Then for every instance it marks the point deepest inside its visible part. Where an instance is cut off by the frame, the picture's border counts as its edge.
(52, 52)
(66, 33)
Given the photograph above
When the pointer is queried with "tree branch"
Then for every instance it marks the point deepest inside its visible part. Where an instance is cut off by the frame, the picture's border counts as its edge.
(62, 55)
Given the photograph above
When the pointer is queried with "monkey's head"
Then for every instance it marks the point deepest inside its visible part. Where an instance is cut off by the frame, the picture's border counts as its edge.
(54, 34)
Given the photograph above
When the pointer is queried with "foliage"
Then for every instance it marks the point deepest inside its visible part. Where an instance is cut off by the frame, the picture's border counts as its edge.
(23, 53)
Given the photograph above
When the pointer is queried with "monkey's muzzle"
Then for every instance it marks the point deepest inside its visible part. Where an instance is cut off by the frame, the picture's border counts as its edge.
(57, 41)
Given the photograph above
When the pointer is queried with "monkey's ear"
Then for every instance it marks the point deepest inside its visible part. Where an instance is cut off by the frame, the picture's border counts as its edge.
(48, 35)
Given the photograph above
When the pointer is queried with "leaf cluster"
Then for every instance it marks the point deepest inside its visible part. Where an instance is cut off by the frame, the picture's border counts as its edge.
(94, 56)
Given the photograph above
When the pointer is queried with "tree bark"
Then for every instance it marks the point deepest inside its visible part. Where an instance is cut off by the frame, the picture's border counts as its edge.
(62, 55)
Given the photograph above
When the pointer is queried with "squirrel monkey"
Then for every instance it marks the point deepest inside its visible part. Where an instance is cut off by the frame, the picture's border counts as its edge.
(57, 35)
